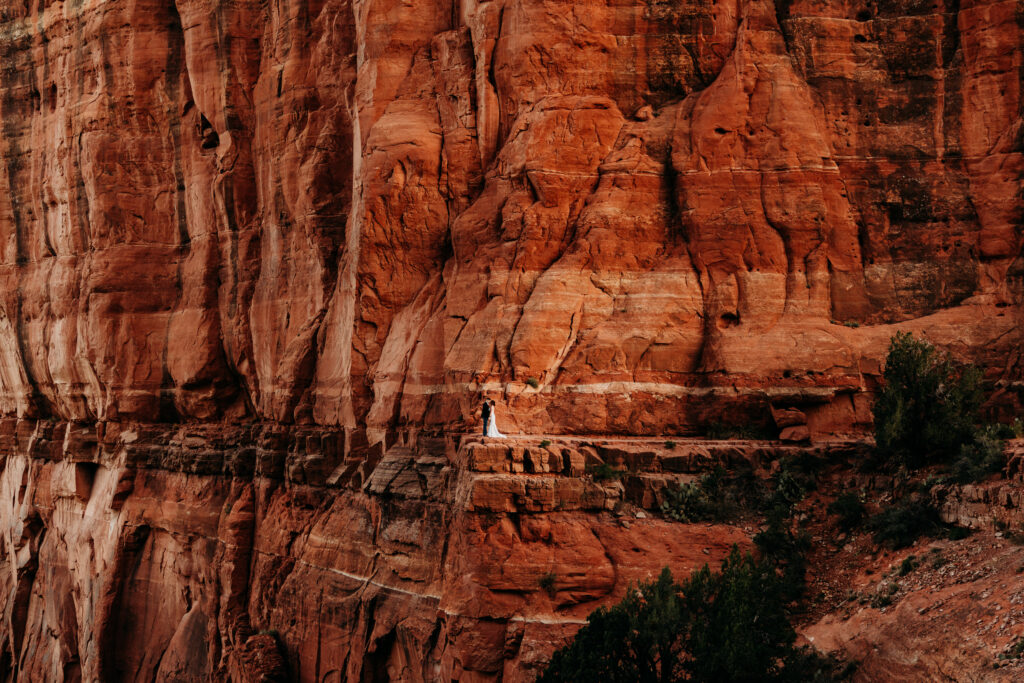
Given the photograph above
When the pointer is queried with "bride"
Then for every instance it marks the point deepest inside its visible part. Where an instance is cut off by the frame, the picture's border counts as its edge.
(492, 425)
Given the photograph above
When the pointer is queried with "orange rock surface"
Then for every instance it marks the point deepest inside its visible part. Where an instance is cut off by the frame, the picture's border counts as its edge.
(259, 263)
(364, 215)
(204, 553)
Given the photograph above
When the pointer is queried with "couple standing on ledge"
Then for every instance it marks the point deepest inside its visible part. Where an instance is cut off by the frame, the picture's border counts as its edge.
(490, 426)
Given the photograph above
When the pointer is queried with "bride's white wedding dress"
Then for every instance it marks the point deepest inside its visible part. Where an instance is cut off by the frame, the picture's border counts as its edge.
(492, 427)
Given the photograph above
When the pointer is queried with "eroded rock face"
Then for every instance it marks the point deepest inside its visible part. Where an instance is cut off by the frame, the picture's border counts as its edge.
(366, 214)
(316, 233)
(198, 553)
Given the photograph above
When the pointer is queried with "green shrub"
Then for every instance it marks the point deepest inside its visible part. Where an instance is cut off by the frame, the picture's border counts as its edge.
(901, 525)
(909, 564)
(729, 625)
(797, 476)
(787, 550)
(958, 533)
(687, 503)
(1015, 650)
(533, 382)
(850, 508)
(740, 628)
(604, 472)
(790, 489)
(545, 443)
(547, 583)
(1002, 430)
(980, 458)
(928, 407)
(881, 599)
(715, 497)
(718, 496)
(635, 640)
(670, 445)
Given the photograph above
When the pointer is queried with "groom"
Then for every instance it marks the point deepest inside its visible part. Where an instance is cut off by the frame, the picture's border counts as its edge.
(486, 412)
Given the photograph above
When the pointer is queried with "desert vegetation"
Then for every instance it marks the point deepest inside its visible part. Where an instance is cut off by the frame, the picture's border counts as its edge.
(928, 412)
(727, 625)
(735, 624)
(928, 429)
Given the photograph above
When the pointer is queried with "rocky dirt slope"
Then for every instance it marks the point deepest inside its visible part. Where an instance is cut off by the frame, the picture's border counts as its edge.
(950, 610)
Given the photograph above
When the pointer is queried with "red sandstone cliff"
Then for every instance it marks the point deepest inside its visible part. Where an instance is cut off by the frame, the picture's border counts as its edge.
(309, 232)
(357, 214)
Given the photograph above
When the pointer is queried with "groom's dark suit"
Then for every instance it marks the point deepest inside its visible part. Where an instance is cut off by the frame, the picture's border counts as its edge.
(487, 415)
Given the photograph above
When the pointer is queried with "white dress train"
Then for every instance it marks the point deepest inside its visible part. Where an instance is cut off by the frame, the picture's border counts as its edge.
(492, 427)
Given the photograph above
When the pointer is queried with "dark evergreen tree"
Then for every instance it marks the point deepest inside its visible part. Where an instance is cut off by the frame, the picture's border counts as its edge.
(928, 408)
(728, 626)
(738, 630)
(635, 641)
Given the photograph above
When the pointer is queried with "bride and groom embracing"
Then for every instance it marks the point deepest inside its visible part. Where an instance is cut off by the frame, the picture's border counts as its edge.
(490, 426)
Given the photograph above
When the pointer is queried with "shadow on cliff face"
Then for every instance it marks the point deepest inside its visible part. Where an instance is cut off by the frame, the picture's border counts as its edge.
(116, 626)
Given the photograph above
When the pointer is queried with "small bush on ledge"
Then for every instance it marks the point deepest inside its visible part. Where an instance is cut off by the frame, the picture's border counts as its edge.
(980, 458)
(687, 503)
(901, 525)
(604, 472)
(850, 508)
(928, 412)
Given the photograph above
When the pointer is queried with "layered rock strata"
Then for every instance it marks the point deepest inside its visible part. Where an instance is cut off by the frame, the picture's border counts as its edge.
(260, 261)
(362, 214)
(195, 554)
